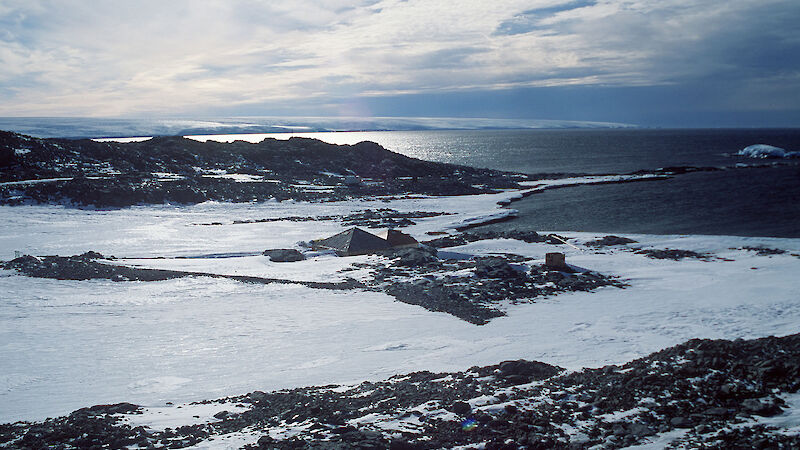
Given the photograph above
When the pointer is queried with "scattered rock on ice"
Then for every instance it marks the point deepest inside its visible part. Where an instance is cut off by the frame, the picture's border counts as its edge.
(495, 267)
(763, 251)
(609, 240)
(673, 254)
(699, 394)
(480, 235)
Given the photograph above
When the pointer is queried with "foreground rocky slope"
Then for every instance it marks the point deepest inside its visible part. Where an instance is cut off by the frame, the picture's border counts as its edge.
(703, 393)
(179, 170)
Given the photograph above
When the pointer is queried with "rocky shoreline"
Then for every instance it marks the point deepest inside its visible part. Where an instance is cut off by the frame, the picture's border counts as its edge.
(184, 171)
(702, 393)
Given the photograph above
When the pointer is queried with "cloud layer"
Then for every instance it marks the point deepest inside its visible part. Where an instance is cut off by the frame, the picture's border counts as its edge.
(110, 58)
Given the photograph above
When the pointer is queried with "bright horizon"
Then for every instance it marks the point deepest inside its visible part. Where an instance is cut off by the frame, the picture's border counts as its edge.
(683, 63)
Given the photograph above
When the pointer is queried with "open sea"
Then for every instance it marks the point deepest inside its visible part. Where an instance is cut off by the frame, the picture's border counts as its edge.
(745, 201)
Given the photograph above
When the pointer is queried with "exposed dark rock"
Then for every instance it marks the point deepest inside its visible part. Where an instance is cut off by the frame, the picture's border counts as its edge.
(429, 283)
(761, 408)
(609, 240)
(447, 241)
(284, 255)
(495, 267)
(89, 256)
(371, 218)
(675, 388)
(109, 174)
(461, 408)
(479, 235)
(680, 422)
(82, 267)
(764, 251)
(412, 256)
(523, 371)
(673, 254)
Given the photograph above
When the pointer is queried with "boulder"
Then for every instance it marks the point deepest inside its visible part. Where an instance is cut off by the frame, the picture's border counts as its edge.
(680, 422)
(284, 255)
(640, 430)
(523, 371)
(761, 408)
(461, 408)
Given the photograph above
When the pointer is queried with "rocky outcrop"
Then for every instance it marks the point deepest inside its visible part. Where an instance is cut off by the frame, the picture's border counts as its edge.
(482, 285)
(673, 254)
(179, 170)
(609, 240)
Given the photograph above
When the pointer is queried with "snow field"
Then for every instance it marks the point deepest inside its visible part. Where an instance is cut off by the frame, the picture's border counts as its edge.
(69, 344)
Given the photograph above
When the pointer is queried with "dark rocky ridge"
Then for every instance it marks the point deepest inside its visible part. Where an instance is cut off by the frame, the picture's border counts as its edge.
(370, 218)
(85, 267)
(711, 389)
(113, 174)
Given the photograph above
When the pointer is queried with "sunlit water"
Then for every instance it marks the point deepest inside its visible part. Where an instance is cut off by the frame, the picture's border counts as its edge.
(559, 151)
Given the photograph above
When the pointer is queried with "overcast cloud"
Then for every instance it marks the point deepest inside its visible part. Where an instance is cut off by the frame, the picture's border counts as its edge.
(312, 57)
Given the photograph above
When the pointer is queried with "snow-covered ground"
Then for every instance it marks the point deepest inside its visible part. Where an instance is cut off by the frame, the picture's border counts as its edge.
(69, 344)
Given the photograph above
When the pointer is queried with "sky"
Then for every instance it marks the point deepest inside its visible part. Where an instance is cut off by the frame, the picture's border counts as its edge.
(687, 63)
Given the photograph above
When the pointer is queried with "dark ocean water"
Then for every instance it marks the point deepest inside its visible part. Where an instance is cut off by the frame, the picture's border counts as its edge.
(744, 202)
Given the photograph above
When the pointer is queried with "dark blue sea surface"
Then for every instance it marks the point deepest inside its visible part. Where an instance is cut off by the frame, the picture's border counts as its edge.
(742, 202)
(737, 201)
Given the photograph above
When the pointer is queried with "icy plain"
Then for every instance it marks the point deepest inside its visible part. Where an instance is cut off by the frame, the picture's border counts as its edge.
(69, 344)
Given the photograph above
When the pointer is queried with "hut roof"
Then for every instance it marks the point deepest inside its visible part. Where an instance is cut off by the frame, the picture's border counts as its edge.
(354, 241)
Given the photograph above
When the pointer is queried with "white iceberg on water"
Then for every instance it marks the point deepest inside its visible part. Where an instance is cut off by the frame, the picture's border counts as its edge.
(766, 151)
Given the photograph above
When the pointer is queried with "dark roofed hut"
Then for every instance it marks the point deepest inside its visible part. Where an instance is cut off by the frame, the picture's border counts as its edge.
(354, 241)
(398, 239)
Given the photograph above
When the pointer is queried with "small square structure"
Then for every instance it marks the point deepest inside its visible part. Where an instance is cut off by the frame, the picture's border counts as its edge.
(555, 260)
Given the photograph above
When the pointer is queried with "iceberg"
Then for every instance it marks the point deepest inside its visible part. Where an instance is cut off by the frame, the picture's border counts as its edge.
(766, 151)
